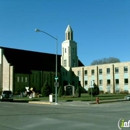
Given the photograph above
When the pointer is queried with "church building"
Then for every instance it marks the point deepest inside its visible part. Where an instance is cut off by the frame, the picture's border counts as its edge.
(110, 78)
(23, 68)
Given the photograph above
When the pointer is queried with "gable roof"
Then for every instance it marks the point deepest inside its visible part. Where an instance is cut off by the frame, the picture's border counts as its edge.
(25, 61)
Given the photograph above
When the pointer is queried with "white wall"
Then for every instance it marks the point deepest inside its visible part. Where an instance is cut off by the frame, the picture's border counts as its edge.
(7, 82)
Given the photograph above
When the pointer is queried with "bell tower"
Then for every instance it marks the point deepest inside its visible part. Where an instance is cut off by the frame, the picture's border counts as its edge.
(69, 56)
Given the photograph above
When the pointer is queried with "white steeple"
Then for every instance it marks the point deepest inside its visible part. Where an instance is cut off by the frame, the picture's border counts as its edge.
(69, 56)
(69, 33)
(69, 50)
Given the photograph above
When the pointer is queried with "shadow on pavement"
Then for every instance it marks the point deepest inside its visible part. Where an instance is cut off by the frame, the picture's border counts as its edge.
(25, 101)
(69, 100)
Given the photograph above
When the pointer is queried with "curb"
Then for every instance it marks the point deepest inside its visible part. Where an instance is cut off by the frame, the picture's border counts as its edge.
(45, 103)
(108, 101)
(63, 103)
(35, 102)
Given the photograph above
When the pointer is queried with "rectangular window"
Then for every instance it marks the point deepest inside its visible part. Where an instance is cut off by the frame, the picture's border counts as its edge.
(108, 82)
(117, 81)
(65, 63)
(78, 73)
(100, 71)
(125, 69)
(92, 72)
(65, 50)
(17, 79)
(100, 82)
(92, 82)
(21, 79)
(116, 70)
(68, 35)
(26, 79)
(86, 82)
(85, 72)
(108, 70)
(126, 81)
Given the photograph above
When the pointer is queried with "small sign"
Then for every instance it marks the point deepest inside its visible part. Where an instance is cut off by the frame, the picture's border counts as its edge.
(56, 84)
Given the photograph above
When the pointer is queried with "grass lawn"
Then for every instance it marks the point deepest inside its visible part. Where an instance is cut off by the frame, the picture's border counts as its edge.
(84, 97)
(87, 97)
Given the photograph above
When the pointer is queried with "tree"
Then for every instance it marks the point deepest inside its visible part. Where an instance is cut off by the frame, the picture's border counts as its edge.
(60, 92)
(46, 89)
(78, 91)
(105, 61)
(94, 91)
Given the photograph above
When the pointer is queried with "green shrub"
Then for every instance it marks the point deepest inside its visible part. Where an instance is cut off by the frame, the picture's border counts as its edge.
(101, 92)
(60, 92)
(124, 92)
(78, 91)
(45, 90)
(94, 91)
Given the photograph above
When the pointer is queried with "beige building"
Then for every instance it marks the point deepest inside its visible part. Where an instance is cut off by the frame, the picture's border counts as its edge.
(109, 77)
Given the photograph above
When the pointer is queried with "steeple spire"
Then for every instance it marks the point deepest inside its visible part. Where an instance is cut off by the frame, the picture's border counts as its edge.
(69, 33)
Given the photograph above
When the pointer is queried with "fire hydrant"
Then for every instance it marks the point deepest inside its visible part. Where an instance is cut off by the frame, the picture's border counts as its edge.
(97, 100)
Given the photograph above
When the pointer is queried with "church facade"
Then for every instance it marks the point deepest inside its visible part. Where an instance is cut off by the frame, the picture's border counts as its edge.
(22, 68)
(111, 78)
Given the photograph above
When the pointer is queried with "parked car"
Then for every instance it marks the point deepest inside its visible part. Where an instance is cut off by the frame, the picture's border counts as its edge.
(7, 95)
(127, 97)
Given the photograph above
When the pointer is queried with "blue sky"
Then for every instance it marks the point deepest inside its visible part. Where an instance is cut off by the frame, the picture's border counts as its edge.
(101, 27)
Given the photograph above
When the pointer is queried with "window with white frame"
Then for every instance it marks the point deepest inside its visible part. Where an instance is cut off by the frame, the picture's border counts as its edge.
(117, 81)
(65, 63)
(126, 81)
(125, 69)
(78, 73)
(100, 71)
(108, 81)
(86, 82)
(92, 72)
(108, 70)
(100, 82)
(85, 72)
(116, 70)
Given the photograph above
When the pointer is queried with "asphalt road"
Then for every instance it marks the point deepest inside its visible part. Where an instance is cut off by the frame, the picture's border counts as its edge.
(65, 116)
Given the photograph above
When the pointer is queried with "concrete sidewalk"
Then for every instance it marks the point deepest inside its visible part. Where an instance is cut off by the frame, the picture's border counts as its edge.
(76, 103)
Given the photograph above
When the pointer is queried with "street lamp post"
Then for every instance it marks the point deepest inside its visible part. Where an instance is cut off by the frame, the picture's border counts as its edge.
(56, 77)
